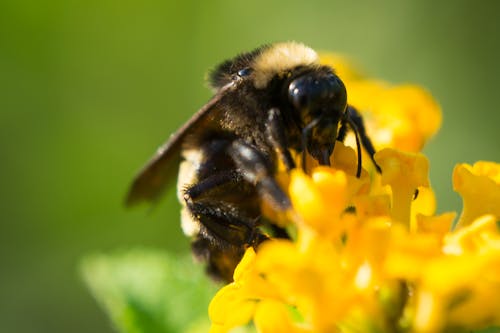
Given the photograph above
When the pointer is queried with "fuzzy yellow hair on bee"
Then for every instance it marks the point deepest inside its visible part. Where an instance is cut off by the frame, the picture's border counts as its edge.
(279, 58)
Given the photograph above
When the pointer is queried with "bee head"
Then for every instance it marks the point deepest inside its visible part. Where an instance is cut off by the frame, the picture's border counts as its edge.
(319, 101)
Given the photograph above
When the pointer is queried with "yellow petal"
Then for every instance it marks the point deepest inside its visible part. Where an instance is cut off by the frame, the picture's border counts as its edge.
(372, 206)
(429, 313)
(332, 184)
(245, 264)
(309, 202)
(480, 307)
(404, 173)
(345, 158)
(222, 308)
(410, 253)
(273, 317)
(479, 186)
(412, 115)
(480, 236)
(438, 224)
(424, 204)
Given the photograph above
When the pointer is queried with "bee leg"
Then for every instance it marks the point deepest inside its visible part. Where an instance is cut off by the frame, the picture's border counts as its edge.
(256, 170)
(225, 223)
(275, 134)
(211, 182)
(353, 117)
(342, 132)
(221, 204)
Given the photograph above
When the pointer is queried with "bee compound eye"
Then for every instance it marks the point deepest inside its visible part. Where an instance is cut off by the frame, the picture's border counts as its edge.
(245, 72)
(298, 94)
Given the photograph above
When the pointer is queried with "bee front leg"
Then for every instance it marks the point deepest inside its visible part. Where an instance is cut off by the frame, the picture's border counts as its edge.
(256, 170)
(275, 135)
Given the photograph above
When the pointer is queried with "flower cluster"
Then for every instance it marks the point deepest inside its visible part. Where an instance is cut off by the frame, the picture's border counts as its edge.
(370, 253)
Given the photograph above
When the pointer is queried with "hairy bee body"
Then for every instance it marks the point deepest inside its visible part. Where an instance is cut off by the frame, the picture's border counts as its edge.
(267, 103)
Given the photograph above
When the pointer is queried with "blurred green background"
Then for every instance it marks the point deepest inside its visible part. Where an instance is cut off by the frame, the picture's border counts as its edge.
(89, 89)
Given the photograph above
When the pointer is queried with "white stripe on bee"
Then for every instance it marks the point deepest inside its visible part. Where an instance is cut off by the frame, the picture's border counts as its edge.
(189, 225)
(188, 176)
(279, 58)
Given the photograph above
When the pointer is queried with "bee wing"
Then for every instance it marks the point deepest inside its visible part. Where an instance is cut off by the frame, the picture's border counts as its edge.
(158, 173)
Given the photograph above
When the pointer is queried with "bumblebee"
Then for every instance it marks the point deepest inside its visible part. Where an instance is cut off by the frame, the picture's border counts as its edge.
(268, 103)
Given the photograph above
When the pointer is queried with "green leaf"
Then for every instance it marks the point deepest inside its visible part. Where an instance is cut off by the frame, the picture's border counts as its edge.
(146, 291)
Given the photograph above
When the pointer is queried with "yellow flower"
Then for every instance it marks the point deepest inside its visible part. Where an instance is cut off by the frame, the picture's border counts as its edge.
(461, 287)
(404, 117)
(369, 254)
(366, 273)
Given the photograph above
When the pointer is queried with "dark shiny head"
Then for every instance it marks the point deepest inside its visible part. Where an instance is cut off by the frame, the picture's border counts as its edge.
(319, 99)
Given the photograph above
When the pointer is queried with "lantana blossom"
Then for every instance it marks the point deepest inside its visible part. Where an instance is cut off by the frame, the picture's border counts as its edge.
(370, 253)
